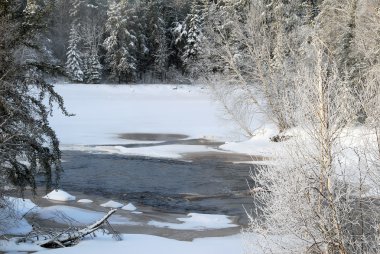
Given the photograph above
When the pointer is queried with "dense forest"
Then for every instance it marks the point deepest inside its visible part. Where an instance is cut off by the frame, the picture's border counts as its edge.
(125, 41)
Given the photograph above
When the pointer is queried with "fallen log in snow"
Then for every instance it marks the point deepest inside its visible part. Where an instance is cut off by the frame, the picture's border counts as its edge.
(71, 237)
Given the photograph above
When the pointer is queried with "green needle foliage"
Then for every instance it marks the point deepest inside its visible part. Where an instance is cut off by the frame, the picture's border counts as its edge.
(28, 145)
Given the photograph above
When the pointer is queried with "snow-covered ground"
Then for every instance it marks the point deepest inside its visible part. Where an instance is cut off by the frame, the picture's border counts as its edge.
(13, 215)
(141, 244)
(197, 221)
(134, 243)
(146, 244)
(258, 145)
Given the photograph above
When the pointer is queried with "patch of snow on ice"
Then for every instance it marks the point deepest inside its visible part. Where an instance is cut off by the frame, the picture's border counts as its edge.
(112, 204)
(196, 221)
(59, 195)
(129, 207)
(85, 201)
(164, 151)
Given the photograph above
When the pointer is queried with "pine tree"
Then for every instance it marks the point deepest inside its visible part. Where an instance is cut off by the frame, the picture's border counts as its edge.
(28, 145)
(91, 65)
(93, 68)
(77, 11)
(128, 63)
(74, 64)
(86, 31)
(161, 56)
(143, 53)
(193, 28)
(158, 39)
(60, 29)
(189, 34)
(121, 42)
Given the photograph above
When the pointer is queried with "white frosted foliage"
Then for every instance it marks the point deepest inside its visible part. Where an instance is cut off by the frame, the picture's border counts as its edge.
(74, 61)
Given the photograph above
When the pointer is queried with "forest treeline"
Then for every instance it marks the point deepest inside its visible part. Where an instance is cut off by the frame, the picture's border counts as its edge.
(125, 41)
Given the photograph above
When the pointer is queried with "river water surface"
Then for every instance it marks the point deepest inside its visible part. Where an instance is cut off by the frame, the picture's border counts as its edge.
(205, 185)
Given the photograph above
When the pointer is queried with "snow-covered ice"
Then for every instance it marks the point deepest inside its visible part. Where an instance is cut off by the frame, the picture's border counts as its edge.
(85, 201)
(196, 221)
(164, 151)
(59, 195)
(112, 204)
(129, 207)
(104, 111)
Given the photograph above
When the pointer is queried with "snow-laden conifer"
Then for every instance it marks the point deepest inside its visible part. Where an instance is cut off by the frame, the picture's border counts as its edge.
(121, 42)
(93, 70)
(188, 34)
(74, 62)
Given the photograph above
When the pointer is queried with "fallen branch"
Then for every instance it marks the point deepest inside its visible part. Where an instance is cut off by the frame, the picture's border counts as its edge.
(70, 238)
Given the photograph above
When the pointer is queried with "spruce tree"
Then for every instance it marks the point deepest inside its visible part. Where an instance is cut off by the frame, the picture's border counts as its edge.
(193, 32)
(161, 56)
(143, 52)
(93, 68)
(28, 145)
(188, 35)
(74, 64)
(77, 11)
(121, 42)
(158, 40)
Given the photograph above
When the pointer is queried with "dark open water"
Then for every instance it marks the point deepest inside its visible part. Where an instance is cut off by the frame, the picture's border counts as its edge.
(205, 185)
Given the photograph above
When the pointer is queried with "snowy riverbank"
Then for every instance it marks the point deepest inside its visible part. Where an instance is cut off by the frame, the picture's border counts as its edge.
(59, 209)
